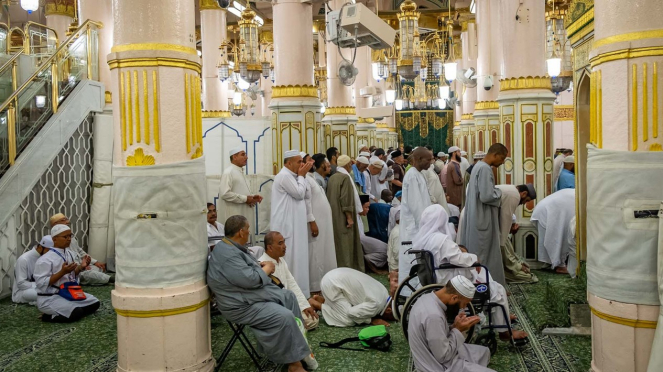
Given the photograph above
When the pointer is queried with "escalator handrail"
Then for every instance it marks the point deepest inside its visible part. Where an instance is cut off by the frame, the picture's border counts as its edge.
(47, 64)
(9, 63)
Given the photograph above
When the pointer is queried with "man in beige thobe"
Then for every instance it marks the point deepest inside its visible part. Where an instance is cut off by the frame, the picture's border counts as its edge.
(235, 197)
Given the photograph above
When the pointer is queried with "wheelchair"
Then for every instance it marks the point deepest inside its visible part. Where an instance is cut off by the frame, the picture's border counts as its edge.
(422, 280)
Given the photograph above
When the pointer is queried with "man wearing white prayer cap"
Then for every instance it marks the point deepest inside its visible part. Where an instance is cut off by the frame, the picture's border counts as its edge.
(289, 216)
(440, 161)
(365, 154)
(362, 148)
(235, 196)
(54, 269)
(464, 163)
(438, 347)
(95, 273)
(25, 287)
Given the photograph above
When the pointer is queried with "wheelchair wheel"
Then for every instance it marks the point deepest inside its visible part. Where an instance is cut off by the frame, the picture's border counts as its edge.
(488, 340)
(399, 300)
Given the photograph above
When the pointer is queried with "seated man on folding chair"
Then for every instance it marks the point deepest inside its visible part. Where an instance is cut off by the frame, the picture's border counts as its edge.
(246, 295)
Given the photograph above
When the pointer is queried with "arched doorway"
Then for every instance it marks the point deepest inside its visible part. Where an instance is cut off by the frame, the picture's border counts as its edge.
(582, 129)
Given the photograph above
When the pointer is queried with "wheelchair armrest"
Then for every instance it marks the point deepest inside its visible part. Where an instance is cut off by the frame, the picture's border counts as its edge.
(450, 266)
(409, 242)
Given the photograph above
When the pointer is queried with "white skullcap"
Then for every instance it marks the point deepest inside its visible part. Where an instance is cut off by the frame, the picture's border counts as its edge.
(236, 150)
(343, 160)
(364, 153)
(362, 160)
(463, 286)
(479, 155)
(59, 229)
(290, 154)
(569, 159)
(453, 149)
(46, 241)
(377, 163)
(303, 154)
(463, 153)
(440, 154)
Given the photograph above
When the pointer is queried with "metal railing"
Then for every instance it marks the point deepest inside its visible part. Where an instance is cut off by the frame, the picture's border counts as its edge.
(28, 108)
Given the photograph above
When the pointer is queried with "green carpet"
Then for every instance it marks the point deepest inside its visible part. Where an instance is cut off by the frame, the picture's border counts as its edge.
(27, 344)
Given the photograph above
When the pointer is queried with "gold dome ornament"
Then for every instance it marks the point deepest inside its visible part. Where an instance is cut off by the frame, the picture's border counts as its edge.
(408, 6)
(139, 159)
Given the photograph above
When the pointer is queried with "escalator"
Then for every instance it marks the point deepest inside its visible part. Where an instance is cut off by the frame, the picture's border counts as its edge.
(37, 80)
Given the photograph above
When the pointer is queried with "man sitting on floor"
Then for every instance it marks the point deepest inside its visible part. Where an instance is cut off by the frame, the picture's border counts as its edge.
(25, 288)
(435, 346)
(94, 274)
(350, 297)
(56, 268)
(274, 252)
(375, 250)
(245, 294)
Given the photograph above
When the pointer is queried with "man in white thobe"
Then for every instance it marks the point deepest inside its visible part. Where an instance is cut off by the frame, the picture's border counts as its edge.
(415, 200)
(235, 197)
(515, 269)
(56, 267)
(24, 290)
(214, 228)
(438, 347)
(95, 273)
(464, 163)
(321, 248)
(350, 298)
(289, 215)
(379, 181)
(435, 189)
(275, 249)
(551, 217)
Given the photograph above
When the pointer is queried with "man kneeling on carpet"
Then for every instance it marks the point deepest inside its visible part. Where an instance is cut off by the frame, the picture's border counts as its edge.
(438, 347)
(274, 252)
(350, 297)
(245, 294)
(25, 287)
(60, 297)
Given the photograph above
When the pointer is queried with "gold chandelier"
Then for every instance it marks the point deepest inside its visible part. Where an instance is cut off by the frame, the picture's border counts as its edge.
(250, 59)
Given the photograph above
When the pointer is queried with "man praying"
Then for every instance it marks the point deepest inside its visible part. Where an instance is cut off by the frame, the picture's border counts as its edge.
(289, 215)
(479, 226)
(551, 217)
(454, 184)
(321, 250)
(350, 297)
(415, 200)
(438, 347)
(24, 290)
(567, 177)
(95, 273)
(275, 249)
(55, 268)
(345, 205)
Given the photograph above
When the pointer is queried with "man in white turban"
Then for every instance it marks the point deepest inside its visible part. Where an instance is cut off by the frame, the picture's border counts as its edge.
(95, 273)
(235, 197)
(438, 347)
(25, 287)
(289, 215)
(53, 270)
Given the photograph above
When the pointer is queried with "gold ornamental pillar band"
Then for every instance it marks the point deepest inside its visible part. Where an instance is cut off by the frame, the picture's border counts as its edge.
(157, 113)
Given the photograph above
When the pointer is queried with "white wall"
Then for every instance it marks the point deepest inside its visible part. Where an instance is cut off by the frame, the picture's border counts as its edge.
(563, 130)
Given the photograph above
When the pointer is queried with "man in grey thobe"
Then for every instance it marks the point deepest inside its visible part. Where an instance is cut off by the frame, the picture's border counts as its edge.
(437, 347)
(246, 295)
(480, 227)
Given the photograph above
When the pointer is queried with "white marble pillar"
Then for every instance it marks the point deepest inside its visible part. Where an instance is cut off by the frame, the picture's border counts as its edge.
(295, 104)
(100, 10)
(486, 109)
(59, 15)
(468, 129)
(625, 98)
(340, 114)
(213, 32)
(163, 323)
(526, 108)
(366, 127)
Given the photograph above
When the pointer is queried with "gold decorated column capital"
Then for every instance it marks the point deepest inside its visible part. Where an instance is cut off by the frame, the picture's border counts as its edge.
(59, 7)
(210, 5)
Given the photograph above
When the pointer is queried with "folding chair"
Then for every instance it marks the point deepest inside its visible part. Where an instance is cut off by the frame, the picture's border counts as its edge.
(238, 334)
